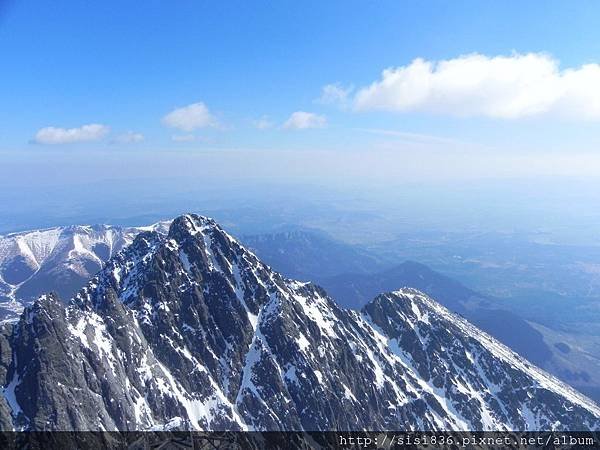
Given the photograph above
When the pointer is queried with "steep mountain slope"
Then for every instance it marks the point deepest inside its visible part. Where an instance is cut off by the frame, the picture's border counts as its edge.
(353, 276)
(58, 259)
(191, 330)
(578, 366)
(355, 290)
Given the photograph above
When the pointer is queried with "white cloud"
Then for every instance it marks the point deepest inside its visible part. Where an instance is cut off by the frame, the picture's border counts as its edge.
(190, 118)
(129, 138)
(507, 87)
(335, 94)
(301, 120)
(85, 133)
(183, 138)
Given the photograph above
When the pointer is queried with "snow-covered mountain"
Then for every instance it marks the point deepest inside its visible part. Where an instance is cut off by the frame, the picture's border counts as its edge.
(60, 259)
(191, 330)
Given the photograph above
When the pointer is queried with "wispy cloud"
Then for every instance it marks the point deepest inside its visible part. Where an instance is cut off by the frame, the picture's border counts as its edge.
(335, 94)
(507, 87)
(264, 123)
(130, 137)
(301, 120)
(413, 137)
(85, 133)
(190, 118)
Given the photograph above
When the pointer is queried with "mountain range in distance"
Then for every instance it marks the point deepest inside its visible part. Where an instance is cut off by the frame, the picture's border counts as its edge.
(63, 259)
(191, 330)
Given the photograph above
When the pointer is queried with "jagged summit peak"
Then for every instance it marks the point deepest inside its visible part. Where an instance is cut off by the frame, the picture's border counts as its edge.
(193, 222)
(49, 305)
(400, 299)
(406, 292)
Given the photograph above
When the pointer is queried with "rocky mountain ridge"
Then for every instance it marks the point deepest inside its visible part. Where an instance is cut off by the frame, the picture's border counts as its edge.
(190, 330)
(60, 259)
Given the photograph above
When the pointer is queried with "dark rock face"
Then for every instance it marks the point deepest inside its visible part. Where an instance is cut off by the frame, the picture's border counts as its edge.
(191, 330)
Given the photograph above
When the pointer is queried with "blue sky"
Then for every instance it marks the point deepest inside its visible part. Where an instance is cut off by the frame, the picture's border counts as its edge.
(243, 82)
